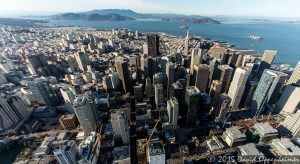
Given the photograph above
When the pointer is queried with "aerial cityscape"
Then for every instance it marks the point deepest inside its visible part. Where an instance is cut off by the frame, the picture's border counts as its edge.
(116, 86)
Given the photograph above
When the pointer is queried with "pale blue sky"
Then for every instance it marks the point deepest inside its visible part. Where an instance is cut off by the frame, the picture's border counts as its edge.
(270, 8)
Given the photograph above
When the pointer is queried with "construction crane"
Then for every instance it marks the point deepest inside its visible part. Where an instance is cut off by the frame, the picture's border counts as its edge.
(152, 132)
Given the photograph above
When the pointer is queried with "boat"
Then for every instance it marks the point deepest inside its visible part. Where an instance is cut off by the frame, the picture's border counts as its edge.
(183, 27)
(255, 37)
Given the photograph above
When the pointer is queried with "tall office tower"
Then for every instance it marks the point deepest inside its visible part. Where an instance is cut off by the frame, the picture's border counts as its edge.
(192, 99)
(170, 72)
(213, 71)
(8, 117)
(172, 107)
(221, 108)
(123, 73)
(237, 87)
(85, 114)
(163, 64)
(159, 94)
(3, 79)
(267, 90)
(72, 63)
(120, 127)
(200, 76)
(42, 92)
(156, 152)
(35, 62)
(19, 106)
(226, 73)
(215, 89)
(66, 153)
(248, 94)
(107, 84)
(68, 97)
(157, 78)
(177, 91)
(186, 44)
(266, 61)
(138, 92)
(153, 45)
(148, 87)
(196, 56)
(289, 101)
(143, 59)
(82, 60)
(150, 67)
(295, 77)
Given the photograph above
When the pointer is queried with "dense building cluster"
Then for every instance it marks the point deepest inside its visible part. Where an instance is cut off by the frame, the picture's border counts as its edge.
(119, 96)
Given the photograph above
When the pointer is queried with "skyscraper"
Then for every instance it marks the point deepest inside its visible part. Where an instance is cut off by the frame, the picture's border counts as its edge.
(19, 106)
(8, 117)
(85, 114)
(42, 92)
(266, 61)
(157, 78)
(153, 45)
(213, 70)
(192, 99)
(177, 91)
(138, 92)
(295, 77)
(237, 87)
(186, 44)
(150, 67)
(215, 89)
(196, 56)
(225, 77)
(68, 97)
(66, 153)
(159, 94)
(170, 73)
(267, 90)
(172, 107)
(123, 73)
(201, 75)
(120, 126)
(289, 101)
(82, 60)
(221, 108)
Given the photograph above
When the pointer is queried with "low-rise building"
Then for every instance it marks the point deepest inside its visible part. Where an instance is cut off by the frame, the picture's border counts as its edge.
(265, 131)
(214, 144)
(284, 147)
(156, 153)
(122, 155)
(233, 136)
(68, 121)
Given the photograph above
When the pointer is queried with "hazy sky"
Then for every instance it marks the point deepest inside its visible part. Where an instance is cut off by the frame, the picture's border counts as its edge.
(271, 8)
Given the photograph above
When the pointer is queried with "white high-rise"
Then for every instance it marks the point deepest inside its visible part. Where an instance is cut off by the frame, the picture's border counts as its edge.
(67, 153)
(68, 97)
(172, 108)
(290, 99)
(237, 87)
(295, 77)
(85, 114)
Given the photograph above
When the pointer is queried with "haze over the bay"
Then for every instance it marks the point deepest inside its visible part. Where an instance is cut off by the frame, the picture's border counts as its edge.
(261, 8)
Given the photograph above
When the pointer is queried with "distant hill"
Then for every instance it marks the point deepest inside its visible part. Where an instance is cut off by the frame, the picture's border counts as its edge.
(92, 17)
(20, 22)
(201, 21)
(127, 15)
